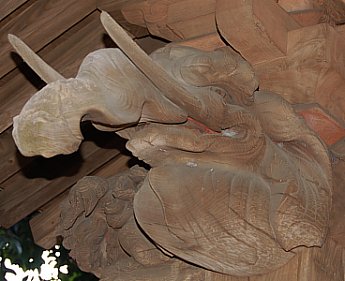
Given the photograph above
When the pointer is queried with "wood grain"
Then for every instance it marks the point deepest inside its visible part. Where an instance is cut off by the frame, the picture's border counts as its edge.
(44, 225)
(208, 42)
(12, 161)
(247, 28)
(44, 179)
(337, 216)
(213, 276)
(8, 7)
(113, 7)
(39, 24)
(320, 264)
(311, 72)
(173, 20)
(64, 54)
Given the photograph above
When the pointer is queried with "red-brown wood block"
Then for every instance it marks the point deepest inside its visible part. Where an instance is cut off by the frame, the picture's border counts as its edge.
(329, 129)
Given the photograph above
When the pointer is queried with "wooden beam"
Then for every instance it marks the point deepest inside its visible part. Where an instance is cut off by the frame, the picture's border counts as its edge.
(175, 19)
(44, 179)
(7, 7)
(41, 23)
(12, 160)
(258, 29)
(64, 54)
(44, 225)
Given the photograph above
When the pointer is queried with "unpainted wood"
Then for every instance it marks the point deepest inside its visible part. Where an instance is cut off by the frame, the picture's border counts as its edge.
(337, 216)
(12, 161)
(329, 129)
(262, 155)
(308, 12)
(21, 197)
(246, 150)
(44, 225)
(309, 73)
(307, 18)
(321, 264)
(113, 7)
(8, 7)
(38, 28)
(173, 20)
(209, 42)
(65, 54)
(257, 29)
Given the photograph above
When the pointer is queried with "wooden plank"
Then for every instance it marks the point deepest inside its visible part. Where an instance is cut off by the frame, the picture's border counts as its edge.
(8, 7)
(64, 54)
(45, 179)
(39, 24)
(44, 225)
(11, 159)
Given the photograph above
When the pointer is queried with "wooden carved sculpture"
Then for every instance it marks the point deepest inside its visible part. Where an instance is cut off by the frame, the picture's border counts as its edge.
(238, 182)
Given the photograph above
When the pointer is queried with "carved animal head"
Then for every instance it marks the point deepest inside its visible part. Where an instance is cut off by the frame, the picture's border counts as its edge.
(237, 180)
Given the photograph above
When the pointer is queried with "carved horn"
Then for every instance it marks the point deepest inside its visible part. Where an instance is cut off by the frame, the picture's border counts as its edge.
(158, 76)
(43, 70)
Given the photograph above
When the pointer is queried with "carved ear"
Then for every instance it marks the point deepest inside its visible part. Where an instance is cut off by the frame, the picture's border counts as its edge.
(211, 216)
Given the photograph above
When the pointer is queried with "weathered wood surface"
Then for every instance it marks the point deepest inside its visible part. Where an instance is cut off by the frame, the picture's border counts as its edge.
(113, 7)
(317, 264)
(44, 225)
(246, 26)
(39, 24)
(330, 130)
(43, 179)
(309, 73)
(173, 20)
(308, 12)
(208, 42)
(8, 7)
(11, 160)
(64, 54)
(337, 223)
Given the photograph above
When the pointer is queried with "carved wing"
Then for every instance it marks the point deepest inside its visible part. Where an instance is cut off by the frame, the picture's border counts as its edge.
(212, 216)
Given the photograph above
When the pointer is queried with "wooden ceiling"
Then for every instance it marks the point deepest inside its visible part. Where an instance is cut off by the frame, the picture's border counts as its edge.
(62, 32)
